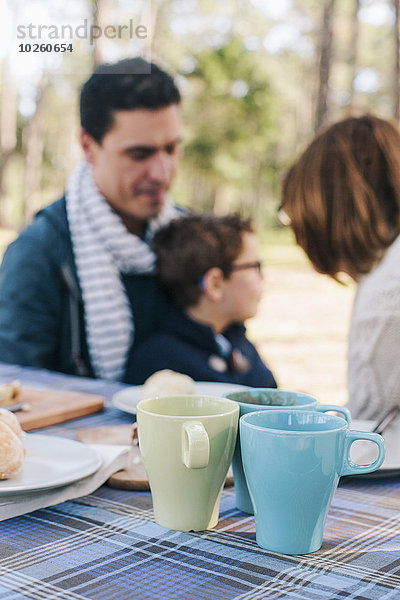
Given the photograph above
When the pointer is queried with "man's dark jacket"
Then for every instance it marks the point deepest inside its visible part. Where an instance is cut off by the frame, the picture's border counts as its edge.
(190, 347)
(41, 309)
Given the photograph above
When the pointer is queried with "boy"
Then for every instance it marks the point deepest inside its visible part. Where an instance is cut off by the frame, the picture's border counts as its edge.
(210, 268)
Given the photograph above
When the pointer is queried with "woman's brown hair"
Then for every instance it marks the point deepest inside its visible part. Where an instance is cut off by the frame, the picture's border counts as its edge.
(343, 195)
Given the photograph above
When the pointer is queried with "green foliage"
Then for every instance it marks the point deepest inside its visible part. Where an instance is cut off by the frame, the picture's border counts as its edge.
(232, 119)
(248, 103)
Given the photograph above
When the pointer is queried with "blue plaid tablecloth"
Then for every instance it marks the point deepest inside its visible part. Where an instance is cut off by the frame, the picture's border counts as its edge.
(107, 545)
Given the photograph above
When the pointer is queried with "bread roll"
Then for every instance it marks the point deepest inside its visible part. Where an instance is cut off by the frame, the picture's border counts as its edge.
(12, 452)
(11, 420)
(10, 393)
(167, 382)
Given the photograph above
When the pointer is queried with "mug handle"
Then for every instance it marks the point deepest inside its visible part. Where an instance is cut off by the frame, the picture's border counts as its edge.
(342, 410)
(350, 468)
(195, 445)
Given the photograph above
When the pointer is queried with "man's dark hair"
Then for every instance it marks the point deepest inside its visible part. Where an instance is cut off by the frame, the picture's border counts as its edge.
(127, 85)
(188, 247)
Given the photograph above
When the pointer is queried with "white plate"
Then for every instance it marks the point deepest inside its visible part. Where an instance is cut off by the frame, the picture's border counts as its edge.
(365, 452)
(127, 400)
(50, 462)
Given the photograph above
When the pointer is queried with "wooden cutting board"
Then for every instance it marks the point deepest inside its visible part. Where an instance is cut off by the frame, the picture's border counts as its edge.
(134, 477)
(49, 407)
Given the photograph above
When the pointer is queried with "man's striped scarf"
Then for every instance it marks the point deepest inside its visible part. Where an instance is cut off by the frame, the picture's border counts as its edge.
(103, 250)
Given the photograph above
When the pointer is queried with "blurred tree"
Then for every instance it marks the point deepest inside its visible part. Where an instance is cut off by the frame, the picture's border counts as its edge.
(99, 17)
(396, 78)
(353, 49)
(34, 145)
(232, 117)
(326, 33)
(8, 133)
(256, 78)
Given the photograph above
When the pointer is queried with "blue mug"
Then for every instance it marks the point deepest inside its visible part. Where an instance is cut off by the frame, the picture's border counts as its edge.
(256, 399)
(293, 460)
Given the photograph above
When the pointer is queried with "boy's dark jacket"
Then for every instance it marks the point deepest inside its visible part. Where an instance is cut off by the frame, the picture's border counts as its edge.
(41, 309)
(189, 347)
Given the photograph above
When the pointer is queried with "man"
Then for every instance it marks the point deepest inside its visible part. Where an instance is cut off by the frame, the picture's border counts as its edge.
(77, 287)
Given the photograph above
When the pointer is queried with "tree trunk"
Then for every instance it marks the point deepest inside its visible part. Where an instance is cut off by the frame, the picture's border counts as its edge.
(222, 200)
(149, 19)
(396, 78)
(322, 108)
(34, 143)
(353, 53)
(99, 12)
(8, 134)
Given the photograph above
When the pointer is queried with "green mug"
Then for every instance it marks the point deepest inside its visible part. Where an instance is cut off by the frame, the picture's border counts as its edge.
(187, 444)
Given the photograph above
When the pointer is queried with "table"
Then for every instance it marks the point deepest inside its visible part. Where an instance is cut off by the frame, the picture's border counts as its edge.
(107, 545)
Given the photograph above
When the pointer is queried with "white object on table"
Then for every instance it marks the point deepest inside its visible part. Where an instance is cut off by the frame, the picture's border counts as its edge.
(98, 462)
(128, 399)
(364, 452)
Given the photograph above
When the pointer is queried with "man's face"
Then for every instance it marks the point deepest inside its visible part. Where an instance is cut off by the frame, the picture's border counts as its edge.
(135, 163)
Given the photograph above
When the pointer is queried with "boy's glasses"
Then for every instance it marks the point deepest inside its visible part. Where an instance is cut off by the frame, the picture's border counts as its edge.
(250, 265)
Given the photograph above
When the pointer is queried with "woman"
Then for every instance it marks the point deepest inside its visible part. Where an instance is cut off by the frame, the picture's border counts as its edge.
(342, 197)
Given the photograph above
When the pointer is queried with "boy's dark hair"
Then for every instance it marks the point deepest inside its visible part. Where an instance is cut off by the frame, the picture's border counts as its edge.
(188, 247)
(127, 85)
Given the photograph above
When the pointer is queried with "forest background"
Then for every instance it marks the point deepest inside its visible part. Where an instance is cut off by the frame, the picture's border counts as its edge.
(258, 79)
